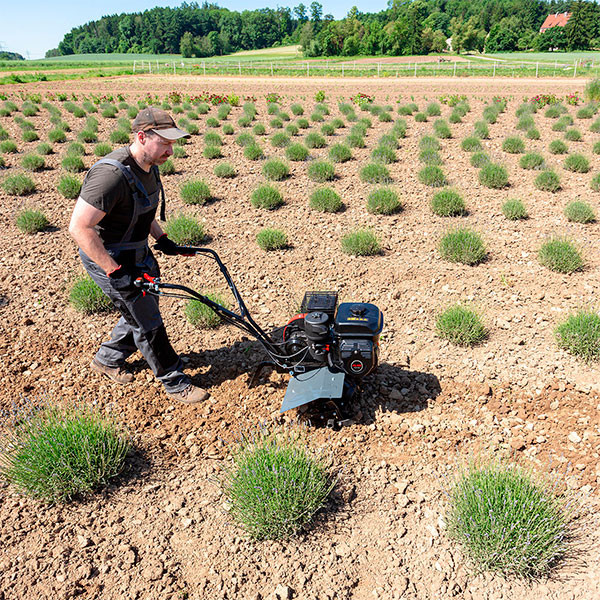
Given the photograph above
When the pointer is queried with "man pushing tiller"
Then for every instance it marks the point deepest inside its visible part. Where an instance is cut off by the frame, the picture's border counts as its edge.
(111, 222)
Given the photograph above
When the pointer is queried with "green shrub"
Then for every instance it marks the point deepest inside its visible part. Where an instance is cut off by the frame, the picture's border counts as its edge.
(303, 124)
(361, 242)
(110, 112)
(480, 130)
(87, 136)
(595, 183)
(533, 134)
(514, 209)
(44, 149)
(185, 230)
(433, 109)
(297, 109)
(428, 142)
(132, 112)
(322, 108)
(119, 136)
(102, 149)
(267, 197)
(490, 114)
(280, 140)
(432, 176)
(33, 162)
(258, 129)
(525, 123)
(441, 129)
(560, 125)
(30, 136)
(580, 335)
(321, 171)
(228, 129)
(557, 147)
(57, 454)
(223, 111)
(245, 139)
(276, 123)
(356, 140)
(580, 212)
(296, 152)
(573, 135)
(493, 176)
(314, 140)
(406, 109)
(245, 121)
(76, 149)
(195, 191)
(253, 152)
(507, 520)
(461, 326)
(249, 109)
(547, 181)
(123, 123)
(271, 239)
(513, 145)
(592, 90)
(212, 152)
(69, 187)
(420, 117)
(85, 296)
(462, 246)
(338, 123)
(560, 255)
(585, 112)
(383, 201)
(479, 159)
(18, 185)
(167, 168)
(4, 135)
(340, 153)
(179, 152)
(8, 147)
(531, 160)
(577, 163)
(225, 170)
(471, 144)
(202, 108)
(275, 485)
(455, 117)
(375, 173)
(430, 157)
(317, 117)
(291, 129)
(448, 203)
(212, 122)
(213, 139)
(384, 154)
(272, 108)
(201, 316)
(325, 200)
(73, 163)
(553, 112)
(31, 221)
(275, 169)
(327, 129)
(596, 148)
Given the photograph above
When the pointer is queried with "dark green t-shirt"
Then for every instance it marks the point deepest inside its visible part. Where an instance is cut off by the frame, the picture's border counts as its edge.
(106, 189)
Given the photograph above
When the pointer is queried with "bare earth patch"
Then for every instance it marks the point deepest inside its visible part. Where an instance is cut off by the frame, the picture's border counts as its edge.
(162, 531)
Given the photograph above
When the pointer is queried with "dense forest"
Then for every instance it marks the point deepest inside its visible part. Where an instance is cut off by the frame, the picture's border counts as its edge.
(406, 27)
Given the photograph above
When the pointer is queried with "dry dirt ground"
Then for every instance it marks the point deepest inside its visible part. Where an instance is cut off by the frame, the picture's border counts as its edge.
(162, 531)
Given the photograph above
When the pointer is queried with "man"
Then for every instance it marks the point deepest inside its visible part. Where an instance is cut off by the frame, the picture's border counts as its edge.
(111, 222)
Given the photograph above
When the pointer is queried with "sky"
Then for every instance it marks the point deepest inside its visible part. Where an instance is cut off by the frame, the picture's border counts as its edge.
(32, 27)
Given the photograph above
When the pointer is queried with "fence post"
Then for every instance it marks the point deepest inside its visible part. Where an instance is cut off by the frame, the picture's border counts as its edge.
(575, 69)
(494, 75)
(174, 69)
(204, 67)
(342, 69)
(454, 69)
(415, 69)
(307, 70)
(537, 66)
(149, 67)
(240, 67)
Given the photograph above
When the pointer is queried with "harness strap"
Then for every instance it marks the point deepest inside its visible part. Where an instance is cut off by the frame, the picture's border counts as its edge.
(162, 193)
(134, 183)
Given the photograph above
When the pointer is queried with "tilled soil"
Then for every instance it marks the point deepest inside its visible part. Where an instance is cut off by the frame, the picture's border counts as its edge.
(162, 530)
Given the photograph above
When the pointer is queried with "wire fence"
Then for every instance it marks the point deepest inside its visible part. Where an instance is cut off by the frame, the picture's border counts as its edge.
(384, 69)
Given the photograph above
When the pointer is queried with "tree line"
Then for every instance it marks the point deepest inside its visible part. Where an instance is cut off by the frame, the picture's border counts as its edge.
(406, 27)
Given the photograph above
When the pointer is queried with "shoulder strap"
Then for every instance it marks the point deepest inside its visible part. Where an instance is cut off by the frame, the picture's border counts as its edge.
(162, 192)
(134, 183)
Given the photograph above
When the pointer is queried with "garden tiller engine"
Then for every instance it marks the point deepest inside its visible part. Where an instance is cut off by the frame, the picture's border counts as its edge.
(327, 349)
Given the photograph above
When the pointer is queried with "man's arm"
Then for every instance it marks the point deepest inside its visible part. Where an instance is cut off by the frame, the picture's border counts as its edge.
(83, 220)
(156, 230)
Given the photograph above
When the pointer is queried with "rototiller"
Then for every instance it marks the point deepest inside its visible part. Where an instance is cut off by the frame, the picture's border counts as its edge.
(327, 349)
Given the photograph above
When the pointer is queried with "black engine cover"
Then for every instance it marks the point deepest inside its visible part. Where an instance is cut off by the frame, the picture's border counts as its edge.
(357, 327)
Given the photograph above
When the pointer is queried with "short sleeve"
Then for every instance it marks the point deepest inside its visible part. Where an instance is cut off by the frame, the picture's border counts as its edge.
(103, 187)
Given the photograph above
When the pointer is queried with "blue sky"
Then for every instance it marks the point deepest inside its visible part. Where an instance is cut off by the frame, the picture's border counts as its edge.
(32, 27)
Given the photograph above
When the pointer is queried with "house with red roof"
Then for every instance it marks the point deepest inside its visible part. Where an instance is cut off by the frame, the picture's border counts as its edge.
(555, 20)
